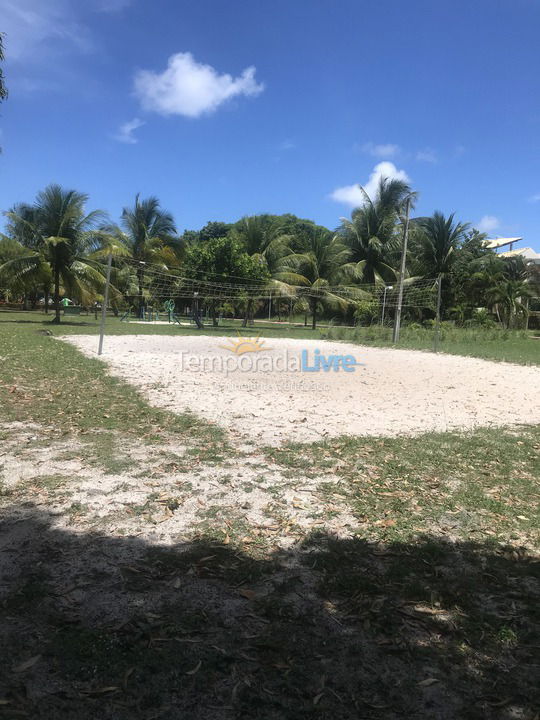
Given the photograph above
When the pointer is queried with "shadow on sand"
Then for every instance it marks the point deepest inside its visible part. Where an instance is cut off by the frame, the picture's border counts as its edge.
(111, 628)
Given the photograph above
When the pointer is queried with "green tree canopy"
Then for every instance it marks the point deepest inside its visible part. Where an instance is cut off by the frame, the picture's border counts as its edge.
(372, 235)
(60, 232)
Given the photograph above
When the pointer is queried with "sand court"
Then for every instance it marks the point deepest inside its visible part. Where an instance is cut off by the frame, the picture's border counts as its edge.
(270, 396)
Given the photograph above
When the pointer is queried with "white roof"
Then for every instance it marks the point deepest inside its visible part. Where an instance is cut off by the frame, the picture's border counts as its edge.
(528, 254)
(501, 242)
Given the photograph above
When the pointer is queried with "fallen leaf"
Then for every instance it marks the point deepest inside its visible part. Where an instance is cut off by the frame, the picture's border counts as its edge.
(27, 664)
(428, 681)
(499, 703)
(195, 669)
(248, 594)
(103, 690)
(126, 677)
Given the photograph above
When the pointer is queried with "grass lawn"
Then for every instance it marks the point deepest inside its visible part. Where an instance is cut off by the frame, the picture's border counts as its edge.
(517, 347)
(382, 577)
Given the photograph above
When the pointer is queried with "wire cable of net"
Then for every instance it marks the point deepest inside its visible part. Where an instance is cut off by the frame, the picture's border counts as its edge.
(158, 283)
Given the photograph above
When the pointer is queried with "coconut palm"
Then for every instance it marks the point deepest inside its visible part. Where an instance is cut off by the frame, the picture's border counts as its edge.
(22, 236)
(62, 234)
(438, 241)
(318, 272)
(438, 238)
(3, 89)
(266, 242)
(507, 295)
(372, 232)
(149, 233)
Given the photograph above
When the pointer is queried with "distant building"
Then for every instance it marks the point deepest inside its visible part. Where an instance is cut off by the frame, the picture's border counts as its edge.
(498, 243)
(527, 253)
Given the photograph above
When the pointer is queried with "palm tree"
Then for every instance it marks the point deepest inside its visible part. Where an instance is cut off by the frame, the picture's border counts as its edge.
(11, 249)
(507, 295)
(318, 269)
(62, 234)
(150, 235)
(3, 89)
(266, 242)
(439, 237)
(22, 232)
(371, 233)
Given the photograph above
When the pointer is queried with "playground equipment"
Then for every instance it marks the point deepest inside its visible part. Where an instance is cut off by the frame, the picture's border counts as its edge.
(125, 317)
(169, 309)
(196, 313)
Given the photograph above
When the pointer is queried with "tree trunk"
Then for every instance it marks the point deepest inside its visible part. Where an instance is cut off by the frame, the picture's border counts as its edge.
(56, 318)
(314, 313)
(247, 314)
(25, 302)
(46, 298)
(213, 313)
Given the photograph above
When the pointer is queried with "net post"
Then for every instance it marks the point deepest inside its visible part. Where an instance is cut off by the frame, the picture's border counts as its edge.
(438, 315)
(105, 303)
(397, 323)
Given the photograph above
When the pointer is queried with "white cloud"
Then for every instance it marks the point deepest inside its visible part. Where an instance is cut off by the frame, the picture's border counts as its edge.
(426, 155)
(287, 145)
(488, 223)
(384, 150)
(125, 131)
(535, 198)
(352, 194)
(51, 26)
(189, 88)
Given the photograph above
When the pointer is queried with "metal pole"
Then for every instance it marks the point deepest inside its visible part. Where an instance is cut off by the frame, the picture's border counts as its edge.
(383, 306)
(438, 315)
(104, 306)
(397, 323)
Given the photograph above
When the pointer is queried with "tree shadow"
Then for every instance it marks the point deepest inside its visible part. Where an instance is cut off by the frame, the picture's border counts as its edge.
(47, 321)
(111, 628)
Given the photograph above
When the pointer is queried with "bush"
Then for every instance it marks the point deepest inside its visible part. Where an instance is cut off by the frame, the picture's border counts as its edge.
(366, 312)
(480, 318)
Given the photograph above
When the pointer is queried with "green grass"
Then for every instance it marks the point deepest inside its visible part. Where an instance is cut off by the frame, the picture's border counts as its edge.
(501, 345)
(481, 484)
(491, 344)
(51, 383)
(87, 325)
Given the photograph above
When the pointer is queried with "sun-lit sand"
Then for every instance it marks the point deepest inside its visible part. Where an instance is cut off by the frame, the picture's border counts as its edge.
(393, 392)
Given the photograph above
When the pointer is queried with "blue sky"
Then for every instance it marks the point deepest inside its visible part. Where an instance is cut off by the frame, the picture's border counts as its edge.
(223, 109)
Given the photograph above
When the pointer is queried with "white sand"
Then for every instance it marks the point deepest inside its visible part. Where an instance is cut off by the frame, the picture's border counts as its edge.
(396, 392)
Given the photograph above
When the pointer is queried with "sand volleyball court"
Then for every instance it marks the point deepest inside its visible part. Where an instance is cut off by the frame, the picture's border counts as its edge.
(265, 396)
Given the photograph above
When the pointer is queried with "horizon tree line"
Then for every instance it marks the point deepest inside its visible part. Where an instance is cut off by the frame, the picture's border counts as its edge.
(53, 247)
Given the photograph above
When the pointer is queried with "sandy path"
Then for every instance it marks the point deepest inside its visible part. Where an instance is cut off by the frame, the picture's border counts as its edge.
(395, 392)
